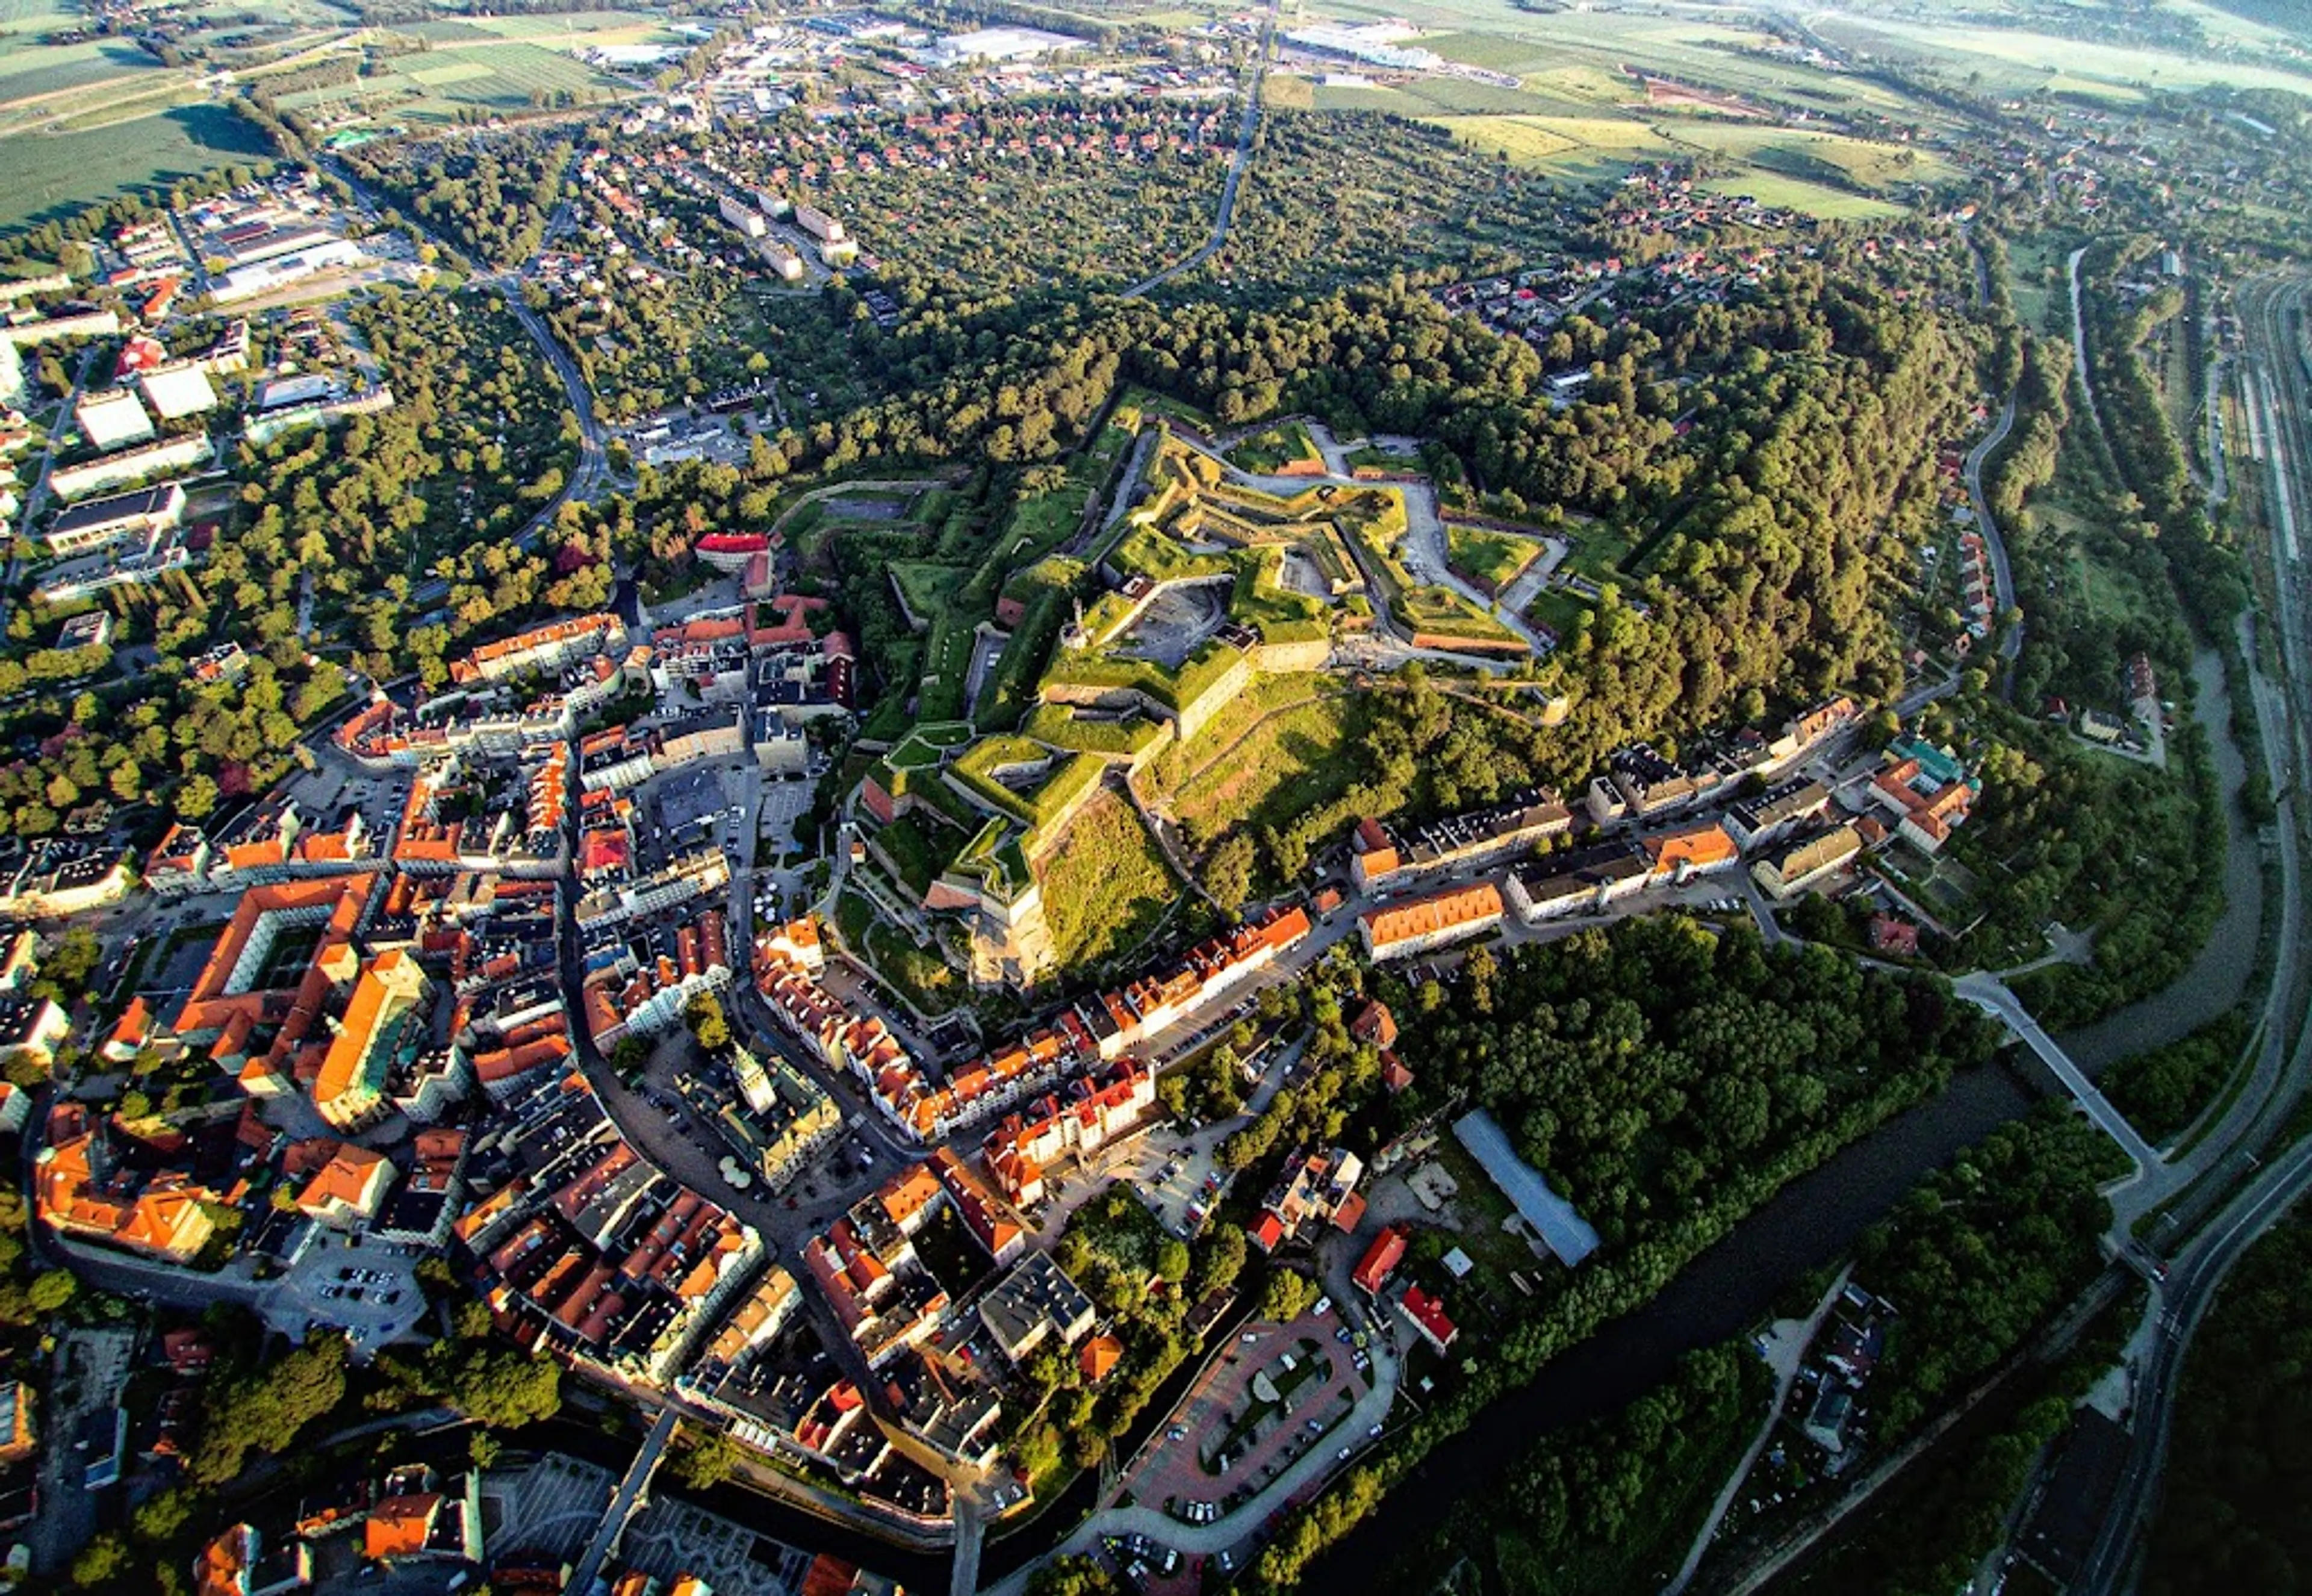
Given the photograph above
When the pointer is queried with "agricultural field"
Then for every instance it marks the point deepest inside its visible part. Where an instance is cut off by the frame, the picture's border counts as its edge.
(1809, 199)
(1796, 167)
(51, 175)
(2034, 277)
(1583, 56)
(2010, 60)
(1804, 153)
(490, 73)
(1106, 886)
(564, 30)
(1585, 149)
(1416, 97)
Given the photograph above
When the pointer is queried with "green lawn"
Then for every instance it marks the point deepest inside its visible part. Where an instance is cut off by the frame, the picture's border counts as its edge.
(1557, 609)
(2013, 58)
(1811, 199)
(1577, 147)
(1800, 150)
(1105, 884)
(505, 76)
(1796, 167)
(1291, 762)
(1440, 612)
(1596, 552)
(926, 586)
(1267, 452)
(1493, 558)
(927, 979)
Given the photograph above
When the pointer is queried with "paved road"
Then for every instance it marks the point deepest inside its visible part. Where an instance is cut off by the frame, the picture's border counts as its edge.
(1313, 1468)
(2002, 576)
(2080, 340)
(1386, 646)
(1425, 557)
(2220, 485)
(2181, 1302)
(591, 470)
(36, 497)
(1237, 165)
(1986, 992)
(2274, 1080)
(2197, 1268)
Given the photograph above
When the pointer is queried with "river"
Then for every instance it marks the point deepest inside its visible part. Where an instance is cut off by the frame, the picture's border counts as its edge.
(1816, 1218)
(1812, 1221)
(2218, 977)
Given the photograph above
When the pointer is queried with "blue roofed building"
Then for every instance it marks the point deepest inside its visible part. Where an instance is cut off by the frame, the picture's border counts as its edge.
(1562, 1230)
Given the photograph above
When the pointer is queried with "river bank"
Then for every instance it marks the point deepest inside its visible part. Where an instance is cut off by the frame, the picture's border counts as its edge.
(2218, 979)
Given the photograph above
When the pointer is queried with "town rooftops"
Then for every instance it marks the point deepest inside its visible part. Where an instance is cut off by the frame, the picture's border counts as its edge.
(1034, 1300)
(1381, 1259)
(398, 1526)
(1429, 1317)
(1436, 914)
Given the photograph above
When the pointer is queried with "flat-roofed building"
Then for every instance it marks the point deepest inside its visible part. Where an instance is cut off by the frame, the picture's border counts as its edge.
(112, 418)
(1034, 1303)
(139, 516)
(177, 390)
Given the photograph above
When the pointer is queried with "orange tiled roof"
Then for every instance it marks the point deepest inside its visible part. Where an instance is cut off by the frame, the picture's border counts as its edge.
(349, 1179)
(1700, 845)
(398, 1526)
(1439, 911)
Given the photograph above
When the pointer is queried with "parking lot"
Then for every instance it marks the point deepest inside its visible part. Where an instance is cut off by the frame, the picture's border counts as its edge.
(1180, 1182)
(322, 794)
(1248, 1417)
(364, 1286)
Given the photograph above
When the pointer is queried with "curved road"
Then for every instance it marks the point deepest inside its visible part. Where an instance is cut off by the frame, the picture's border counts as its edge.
(2181, 1303)
(1310, 1471)
(592, 468)
(2080, 340)
(2002, 576)
(2181, 1300)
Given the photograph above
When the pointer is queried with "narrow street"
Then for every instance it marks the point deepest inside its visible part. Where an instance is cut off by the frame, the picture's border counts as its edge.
(1237, 163)
(1787, 1343)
